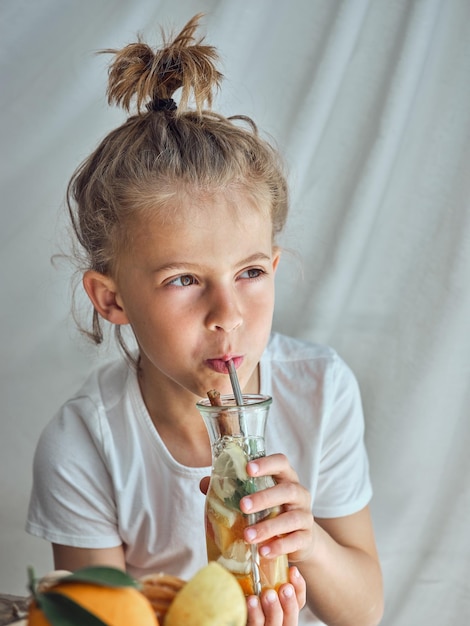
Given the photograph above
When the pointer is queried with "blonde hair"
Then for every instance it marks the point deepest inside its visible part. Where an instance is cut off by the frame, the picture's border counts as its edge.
(139, 165)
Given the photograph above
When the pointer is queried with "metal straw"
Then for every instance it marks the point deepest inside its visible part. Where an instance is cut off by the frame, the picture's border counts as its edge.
(255, 564)
(237, 392)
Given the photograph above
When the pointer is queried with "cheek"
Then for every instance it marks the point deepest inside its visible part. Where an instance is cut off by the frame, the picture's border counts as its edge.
(147, 322)
(265, 304)
(259, 319)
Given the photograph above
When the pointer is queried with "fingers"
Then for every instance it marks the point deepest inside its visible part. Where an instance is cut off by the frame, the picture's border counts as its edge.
(265, 610)
(289, 604)
(289, 496)
(290, 532)
(287, 492)
(298, 544)
(300, 586)
(278, 609)
(276, 465)
(273, 609)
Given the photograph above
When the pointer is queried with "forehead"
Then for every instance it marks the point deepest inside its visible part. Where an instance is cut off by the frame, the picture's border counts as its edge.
(186, 205)
(214, 230)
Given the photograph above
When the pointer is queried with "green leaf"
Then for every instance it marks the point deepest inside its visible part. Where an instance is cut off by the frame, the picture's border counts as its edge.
(251, 486)
(63, 611)
(101, 575)
(32, 581)
(242, 488)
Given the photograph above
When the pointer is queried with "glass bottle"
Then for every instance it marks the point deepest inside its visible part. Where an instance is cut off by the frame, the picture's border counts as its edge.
(237, 435)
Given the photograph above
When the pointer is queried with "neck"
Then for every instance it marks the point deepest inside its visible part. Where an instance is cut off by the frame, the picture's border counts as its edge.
(177, 420)
(173, 412)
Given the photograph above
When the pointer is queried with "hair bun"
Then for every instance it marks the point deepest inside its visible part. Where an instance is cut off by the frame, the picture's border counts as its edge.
(145, 75)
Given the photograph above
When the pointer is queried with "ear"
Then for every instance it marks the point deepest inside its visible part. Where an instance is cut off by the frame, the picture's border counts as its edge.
(276, 258)
(103, 293)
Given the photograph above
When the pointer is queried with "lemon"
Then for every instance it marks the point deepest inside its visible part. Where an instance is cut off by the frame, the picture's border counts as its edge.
(228, 516)
(231, 462)
(211, 598)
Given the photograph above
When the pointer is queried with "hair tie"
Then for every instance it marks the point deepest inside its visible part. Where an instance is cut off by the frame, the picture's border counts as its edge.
(162, 104)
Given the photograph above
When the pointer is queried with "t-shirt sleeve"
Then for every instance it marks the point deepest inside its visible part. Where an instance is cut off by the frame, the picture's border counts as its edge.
(72, 499)
(344, 485)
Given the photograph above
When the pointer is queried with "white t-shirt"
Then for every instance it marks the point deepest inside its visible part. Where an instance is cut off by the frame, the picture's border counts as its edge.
(103, 477)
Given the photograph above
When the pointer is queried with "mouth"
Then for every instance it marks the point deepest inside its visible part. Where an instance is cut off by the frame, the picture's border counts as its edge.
(220, 366)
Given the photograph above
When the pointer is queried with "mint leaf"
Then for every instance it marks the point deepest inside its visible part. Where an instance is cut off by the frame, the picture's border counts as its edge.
(250, 486)
(243, 488)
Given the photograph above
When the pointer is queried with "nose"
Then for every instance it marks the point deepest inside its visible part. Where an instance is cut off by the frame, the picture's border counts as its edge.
(224, 312)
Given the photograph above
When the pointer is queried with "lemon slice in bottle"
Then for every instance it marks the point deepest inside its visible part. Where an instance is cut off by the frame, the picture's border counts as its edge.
(231, 462)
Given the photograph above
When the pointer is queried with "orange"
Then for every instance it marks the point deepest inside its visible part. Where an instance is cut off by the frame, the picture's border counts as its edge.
(116, 606)
(246, 584)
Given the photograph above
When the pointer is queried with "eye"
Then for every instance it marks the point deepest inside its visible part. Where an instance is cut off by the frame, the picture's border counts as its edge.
(183, 281)
(252, 273)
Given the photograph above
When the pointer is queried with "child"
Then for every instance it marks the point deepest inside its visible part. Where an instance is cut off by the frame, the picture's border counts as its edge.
(177, 213)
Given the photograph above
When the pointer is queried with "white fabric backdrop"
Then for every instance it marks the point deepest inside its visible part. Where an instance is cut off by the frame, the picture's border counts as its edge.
(370, 102)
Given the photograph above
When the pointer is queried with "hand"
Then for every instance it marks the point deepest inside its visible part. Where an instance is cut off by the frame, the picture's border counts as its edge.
(278, 609)
(274, 609)
(292, 532)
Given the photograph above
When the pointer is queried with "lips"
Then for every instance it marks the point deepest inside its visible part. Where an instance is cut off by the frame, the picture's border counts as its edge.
(220, 365)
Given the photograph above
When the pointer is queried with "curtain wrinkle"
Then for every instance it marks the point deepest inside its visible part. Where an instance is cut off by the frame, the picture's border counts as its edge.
(320, 96)
(360, 217)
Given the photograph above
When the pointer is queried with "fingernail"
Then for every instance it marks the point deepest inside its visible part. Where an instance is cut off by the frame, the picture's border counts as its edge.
(270, 596)
(247, 504)
(264, 550)
(288, 591)
(250, 534)
(254, 467)
(253, 601)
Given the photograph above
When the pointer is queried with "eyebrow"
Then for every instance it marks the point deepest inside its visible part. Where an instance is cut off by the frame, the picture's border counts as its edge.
(177, 265)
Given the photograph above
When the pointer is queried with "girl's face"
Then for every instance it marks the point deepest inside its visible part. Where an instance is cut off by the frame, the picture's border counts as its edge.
(198, 289)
